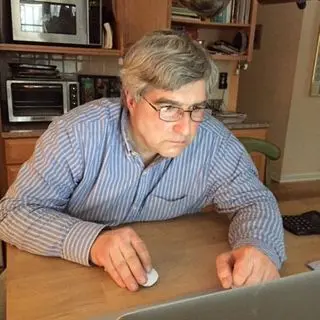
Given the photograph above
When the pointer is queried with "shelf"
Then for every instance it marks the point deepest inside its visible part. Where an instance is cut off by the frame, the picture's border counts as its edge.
(229, 57)
(59, 50)
(205, 24)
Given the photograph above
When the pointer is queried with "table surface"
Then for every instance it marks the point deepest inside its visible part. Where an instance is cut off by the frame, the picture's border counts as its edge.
(183, 252)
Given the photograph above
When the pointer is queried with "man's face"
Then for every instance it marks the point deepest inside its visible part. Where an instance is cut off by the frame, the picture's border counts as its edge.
(155, 136)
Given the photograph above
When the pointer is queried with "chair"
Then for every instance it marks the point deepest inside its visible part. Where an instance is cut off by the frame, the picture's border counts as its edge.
(270, 150)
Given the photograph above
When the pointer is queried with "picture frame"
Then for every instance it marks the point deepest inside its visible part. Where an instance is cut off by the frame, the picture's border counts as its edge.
(315, 82)
(94, 87)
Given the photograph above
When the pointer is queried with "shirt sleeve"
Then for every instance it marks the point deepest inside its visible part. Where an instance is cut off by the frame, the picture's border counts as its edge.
(253, 210)
(34, 212)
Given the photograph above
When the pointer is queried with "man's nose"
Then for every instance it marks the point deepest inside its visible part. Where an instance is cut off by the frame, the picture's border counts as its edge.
(183, 126)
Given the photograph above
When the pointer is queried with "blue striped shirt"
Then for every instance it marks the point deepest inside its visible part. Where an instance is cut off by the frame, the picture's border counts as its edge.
(85, 175)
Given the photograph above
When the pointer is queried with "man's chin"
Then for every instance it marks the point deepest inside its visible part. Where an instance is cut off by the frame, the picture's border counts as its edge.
(171, 153)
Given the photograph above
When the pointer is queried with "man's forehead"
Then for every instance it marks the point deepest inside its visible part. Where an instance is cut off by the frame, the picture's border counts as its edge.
(191, 93)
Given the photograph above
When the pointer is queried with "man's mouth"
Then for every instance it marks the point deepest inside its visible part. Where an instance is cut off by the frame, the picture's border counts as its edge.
(178, 141)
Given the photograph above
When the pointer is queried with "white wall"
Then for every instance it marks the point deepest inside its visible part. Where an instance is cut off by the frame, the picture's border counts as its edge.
(277, 84)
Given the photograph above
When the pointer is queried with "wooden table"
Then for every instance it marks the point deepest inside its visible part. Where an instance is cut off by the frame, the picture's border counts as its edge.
(183, 252)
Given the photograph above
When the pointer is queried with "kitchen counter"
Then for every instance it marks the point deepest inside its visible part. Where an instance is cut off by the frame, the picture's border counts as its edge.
(183, 251)
(25, 132)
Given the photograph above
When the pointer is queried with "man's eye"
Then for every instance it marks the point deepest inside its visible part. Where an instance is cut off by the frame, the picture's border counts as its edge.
(168, 108)
(198, 108)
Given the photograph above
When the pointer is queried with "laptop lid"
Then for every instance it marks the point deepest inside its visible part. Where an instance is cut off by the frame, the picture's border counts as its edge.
(294, 297)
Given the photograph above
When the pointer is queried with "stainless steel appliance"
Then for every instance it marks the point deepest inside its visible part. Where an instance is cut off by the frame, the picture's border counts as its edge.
(40, 100)
(76, 22)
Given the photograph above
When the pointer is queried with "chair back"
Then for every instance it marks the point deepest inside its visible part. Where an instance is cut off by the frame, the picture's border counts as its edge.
(267, 148)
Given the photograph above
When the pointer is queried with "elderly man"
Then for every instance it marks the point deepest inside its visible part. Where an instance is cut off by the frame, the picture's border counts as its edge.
(157, 155)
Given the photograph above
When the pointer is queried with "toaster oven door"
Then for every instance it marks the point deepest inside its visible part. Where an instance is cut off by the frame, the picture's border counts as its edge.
(29, 102)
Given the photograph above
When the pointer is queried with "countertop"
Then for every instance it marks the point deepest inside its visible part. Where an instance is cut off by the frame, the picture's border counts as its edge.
(183, 251)
(35, 131)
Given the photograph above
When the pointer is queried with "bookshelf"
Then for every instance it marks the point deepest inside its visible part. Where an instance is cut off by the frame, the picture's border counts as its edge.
(206, 24)
(228, 28)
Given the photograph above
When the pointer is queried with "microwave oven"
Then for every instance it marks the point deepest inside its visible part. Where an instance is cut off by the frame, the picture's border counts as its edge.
(76, 22)
(40, 100)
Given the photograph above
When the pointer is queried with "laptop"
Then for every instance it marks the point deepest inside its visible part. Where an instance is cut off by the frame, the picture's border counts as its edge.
(295, 297)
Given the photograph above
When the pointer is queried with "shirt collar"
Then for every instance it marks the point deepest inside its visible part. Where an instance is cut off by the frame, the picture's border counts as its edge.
(128, 143)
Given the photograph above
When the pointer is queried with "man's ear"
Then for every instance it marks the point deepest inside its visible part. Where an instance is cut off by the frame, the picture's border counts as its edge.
(130, 101)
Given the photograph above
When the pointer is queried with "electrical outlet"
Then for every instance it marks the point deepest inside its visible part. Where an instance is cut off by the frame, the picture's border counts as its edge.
(223, 80)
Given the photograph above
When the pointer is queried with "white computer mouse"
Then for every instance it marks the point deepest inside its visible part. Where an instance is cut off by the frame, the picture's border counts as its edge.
(153, 277)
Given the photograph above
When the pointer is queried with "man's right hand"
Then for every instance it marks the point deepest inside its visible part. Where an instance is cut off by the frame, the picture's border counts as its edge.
(123, 255)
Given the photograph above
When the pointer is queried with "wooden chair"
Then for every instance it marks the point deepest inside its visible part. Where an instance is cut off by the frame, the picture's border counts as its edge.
(270, 150)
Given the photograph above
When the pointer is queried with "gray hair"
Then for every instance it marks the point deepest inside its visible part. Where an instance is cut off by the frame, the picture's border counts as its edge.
(166, 60)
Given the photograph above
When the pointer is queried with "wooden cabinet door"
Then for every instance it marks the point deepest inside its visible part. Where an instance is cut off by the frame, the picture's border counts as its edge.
(19, 150)
(12, 172)
(134, 18)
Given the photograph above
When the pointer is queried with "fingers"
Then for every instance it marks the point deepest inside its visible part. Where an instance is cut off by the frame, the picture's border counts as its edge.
(125, 257)
(252, 267)
(262, 274)
(272, 273)
(109, 267)
(134, 263)
(256, 277)
(123, 267)
(243, 270)
(142, 252)
(224, 265)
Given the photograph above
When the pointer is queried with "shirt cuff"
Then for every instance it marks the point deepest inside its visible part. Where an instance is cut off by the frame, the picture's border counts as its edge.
(267, 250)
(78, 242)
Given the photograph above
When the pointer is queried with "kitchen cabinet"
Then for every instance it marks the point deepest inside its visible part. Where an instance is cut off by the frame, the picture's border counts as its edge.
(138, 17)
(18, 150)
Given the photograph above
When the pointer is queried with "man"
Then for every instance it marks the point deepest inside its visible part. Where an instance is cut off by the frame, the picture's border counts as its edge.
(157, 157)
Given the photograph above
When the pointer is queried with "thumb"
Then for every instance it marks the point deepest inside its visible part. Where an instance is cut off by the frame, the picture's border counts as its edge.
(224, 265)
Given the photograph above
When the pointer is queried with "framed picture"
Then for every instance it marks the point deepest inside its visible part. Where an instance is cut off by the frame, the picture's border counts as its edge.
(94, 87)
(315, 83)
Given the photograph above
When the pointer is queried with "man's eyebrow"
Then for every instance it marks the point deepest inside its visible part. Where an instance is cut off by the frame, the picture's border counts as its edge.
(177, 103)
(167, 101)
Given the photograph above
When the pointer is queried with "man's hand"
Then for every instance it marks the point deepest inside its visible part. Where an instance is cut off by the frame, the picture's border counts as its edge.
(123, 255)
(245, 266)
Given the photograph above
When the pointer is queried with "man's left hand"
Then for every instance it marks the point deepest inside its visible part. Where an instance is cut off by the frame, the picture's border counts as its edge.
(245, 266)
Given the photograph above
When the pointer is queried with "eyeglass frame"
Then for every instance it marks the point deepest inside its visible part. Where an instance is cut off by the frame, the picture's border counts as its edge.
(181, 115)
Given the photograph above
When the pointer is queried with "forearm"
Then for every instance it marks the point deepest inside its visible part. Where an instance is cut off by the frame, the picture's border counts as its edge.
(259, 224)
(46, 231)
(252, 208)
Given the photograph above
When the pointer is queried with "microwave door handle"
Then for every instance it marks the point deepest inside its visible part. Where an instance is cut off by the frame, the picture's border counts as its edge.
(66, 100)
(38, 86)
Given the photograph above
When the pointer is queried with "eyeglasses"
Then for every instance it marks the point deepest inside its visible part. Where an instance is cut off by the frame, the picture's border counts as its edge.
(171, 113)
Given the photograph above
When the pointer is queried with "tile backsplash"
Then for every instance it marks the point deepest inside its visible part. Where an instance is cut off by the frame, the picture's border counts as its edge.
(70, 66)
